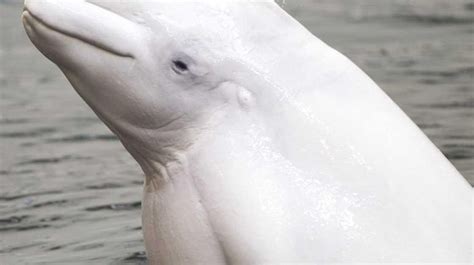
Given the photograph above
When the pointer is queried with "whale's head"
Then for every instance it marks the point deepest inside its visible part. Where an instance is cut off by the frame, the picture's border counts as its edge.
(158, 72)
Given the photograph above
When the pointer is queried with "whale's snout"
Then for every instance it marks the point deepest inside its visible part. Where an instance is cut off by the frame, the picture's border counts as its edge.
(53, 23)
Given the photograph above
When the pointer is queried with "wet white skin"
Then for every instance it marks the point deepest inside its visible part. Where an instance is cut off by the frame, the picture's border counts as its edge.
(259, 142)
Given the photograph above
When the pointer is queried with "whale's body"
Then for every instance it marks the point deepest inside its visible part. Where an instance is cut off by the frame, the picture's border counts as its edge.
(260, 144)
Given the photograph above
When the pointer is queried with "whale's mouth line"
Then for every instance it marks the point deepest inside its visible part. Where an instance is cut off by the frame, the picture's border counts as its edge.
(30, 16)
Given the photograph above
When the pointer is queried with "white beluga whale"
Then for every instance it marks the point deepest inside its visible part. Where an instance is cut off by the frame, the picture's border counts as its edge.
(259, 143)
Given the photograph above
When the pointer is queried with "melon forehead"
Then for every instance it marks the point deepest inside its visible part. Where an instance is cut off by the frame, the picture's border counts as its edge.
(235, 28)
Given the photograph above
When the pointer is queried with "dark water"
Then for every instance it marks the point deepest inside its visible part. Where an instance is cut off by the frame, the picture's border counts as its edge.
(69, 192)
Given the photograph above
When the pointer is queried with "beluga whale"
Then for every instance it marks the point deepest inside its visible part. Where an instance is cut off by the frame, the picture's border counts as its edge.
(259, 143)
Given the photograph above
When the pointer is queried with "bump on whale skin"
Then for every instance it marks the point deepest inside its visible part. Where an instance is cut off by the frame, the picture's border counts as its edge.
(259, 143)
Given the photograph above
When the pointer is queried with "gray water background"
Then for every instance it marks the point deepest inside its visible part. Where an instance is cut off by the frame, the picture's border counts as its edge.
(70, 193)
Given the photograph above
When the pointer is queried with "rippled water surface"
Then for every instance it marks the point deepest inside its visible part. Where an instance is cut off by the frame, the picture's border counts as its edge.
(70, 193)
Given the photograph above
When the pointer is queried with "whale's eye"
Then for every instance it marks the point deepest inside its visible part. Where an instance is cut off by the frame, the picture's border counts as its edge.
(180, 67)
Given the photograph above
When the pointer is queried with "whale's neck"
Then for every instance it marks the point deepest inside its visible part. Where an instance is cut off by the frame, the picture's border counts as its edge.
(165, 163)
(163, 153)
